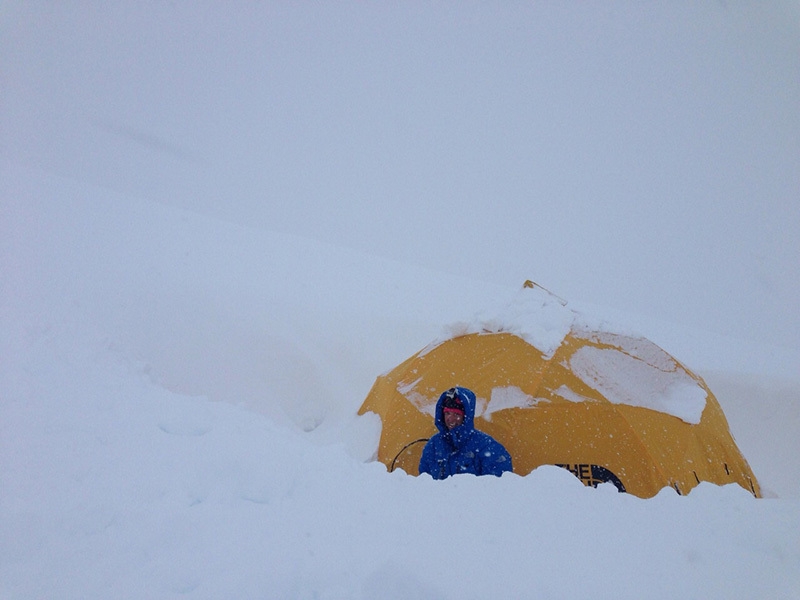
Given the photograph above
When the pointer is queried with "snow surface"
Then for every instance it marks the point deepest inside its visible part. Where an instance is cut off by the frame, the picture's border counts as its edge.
(219, 224)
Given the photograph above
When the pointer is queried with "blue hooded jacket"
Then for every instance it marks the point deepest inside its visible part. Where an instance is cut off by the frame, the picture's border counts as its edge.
(463, 449)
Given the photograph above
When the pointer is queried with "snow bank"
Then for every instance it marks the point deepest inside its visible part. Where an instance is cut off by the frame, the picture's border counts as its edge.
(114, 487)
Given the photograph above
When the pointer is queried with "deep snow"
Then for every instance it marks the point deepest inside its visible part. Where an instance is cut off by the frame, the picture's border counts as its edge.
(218, 225)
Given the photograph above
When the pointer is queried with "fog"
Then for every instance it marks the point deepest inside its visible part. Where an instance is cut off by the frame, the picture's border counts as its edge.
(639, 157)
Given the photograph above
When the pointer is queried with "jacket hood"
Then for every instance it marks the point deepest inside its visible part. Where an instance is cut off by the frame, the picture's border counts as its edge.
(467, 398)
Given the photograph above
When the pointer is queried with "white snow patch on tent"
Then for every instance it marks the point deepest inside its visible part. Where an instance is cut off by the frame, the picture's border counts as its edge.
(645, 384)
(567, 394)
(534, 314)
(407, 388)
(509, 397)
(424, 403)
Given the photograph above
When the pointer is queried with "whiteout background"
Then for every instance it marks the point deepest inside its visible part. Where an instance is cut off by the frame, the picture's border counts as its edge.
(219, 223)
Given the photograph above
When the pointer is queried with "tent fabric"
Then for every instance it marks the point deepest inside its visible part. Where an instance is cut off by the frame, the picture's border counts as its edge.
(608, 407)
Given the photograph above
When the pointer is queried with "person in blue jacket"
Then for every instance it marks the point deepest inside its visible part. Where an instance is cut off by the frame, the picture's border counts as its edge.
(459, 447)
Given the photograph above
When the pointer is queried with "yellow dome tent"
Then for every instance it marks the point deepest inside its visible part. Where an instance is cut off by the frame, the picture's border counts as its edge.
(609, 407)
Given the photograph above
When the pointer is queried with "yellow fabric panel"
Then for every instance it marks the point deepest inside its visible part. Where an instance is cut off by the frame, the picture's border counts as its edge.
(402, 424)
(580, 433)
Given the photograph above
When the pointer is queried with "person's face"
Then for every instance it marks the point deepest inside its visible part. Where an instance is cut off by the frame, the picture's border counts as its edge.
(453, 418)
